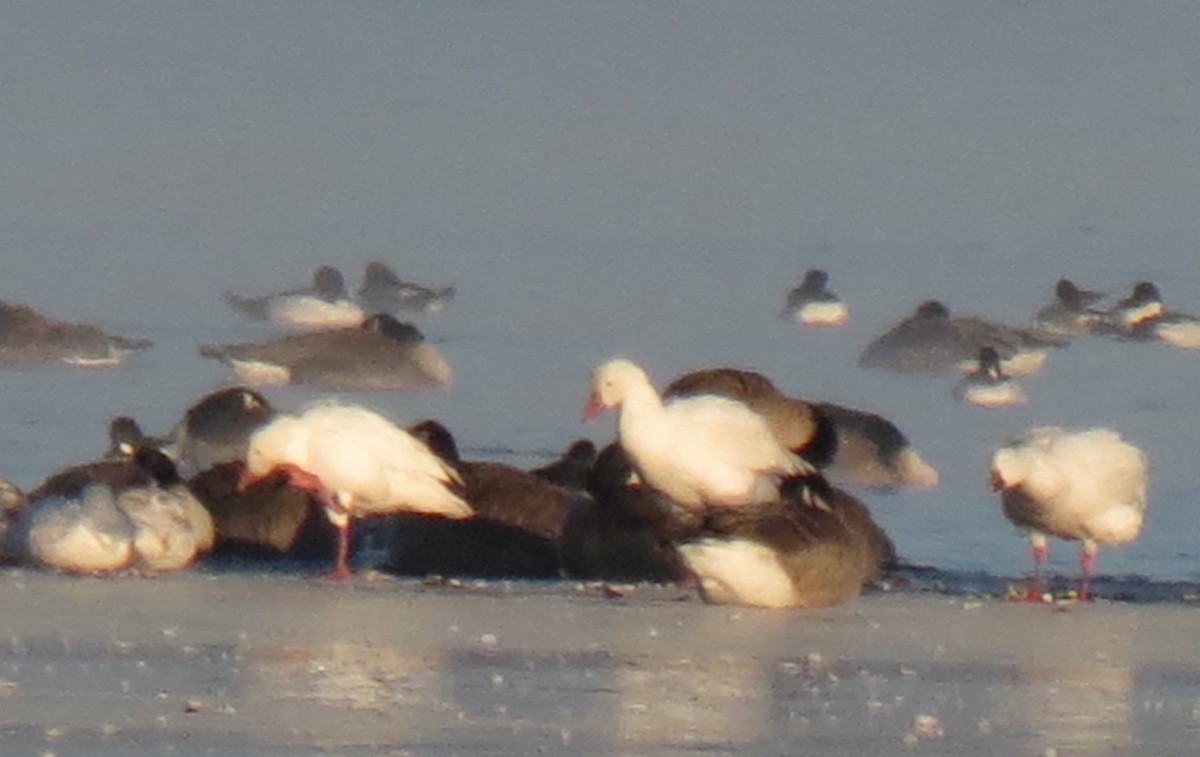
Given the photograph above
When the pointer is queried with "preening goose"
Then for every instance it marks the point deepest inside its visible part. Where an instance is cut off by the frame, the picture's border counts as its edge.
(357, 463)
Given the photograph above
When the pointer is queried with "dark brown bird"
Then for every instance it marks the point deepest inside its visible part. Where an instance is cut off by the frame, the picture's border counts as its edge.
(572, 469)
(625, 532)
(514, 532)
(268, 518)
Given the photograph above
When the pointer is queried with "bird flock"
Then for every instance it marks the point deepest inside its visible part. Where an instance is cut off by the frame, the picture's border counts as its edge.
(718, 481)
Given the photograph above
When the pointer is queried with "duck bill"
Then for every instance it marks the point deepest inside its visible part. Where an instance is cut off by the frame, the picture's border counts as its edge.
(594, 407)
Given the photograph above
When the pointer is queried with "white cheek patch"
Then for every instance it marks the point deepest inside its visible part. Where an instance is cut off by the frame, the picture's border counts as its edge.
(740, 572)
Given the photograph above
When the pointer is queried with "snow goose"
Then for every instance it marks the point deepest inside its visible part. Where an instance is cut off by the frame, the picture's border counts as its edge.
(701, 451)
(1087, 485)
(988, 385)
(357, 463)
(383, 290)
(514, 532)
(798, 425)
(323, 304)
(381, 353)
(932, 340)
(812, 303)
(28, 337)
(216, 428)
(788, 554)
(1071, 311)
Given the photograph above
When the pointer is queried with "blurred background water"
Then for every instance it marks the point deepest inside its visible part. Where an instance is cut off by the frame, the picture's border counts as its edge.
(645, 179)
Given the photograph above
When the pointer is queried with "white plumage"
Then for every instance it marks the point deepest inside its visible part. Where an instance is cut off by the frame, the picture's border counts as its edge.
(1087, 485)
(702, 450)
(358, 462)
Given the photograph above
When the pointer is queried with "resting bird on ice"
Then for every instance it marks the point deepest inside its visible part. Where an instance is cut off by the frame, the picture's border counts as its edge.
(323, 304)
(812, 303)
(796, 423)
(1087, 485)
(988, 385)
(847, 444)
(216, 429)
(378, 354)
(356, 462)
(1072, 311)
(382, 290)
(701, 451)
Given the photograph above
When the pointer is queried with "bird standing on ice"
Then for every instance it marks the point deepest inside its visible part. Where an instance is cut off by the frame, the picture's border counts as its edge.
(701, 451)
(1087, 485)
(356, 462)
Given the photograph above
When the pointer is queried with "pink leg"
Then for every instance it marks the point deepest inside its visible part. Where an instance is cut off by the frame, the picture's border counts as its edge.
(1036, 590)
(1087, 565)
(341, 568)
(339, 516)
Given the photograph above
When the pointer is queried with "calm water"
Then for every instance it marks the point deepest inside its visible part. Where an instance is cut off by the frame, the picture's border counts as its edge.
(646, 181)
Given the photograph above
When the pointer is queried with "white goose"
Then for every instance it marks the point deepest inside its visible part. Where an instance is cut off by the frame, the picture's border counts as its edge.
(1086, 485)
(356, 462)
(701, 451)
